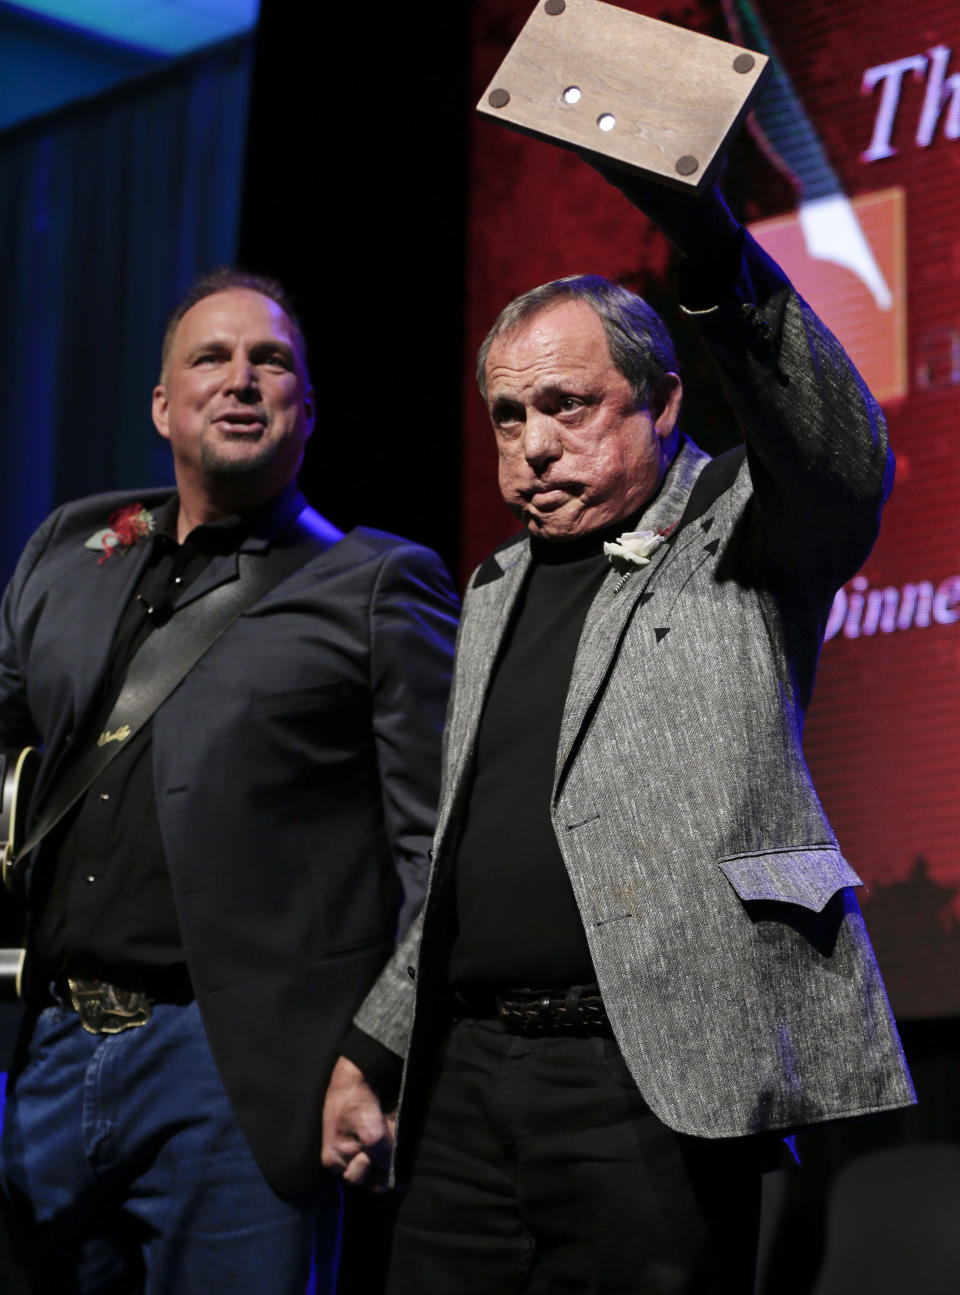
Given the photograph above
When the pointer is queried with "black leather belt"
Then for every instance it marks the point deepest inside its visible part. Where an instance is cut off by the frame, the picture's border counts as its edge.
(109, 1000)
(578, 1009)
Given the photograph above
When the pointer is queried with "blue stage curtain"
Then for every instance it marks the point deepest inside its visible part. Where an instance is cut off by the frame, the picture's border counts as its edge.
(108, 209)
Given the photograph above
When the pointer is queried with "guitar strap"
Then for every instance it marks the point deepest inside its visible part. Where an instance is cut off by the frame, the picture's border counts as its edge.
(167, 656)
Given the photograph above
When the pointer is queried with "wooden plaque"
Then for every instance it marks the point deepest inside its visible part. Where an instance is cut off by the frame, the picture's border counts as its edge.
(643, 94)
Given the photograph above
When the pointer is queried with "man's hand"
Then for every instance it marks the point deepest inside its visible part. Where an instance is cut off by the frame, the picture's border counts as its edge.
(357, 1135)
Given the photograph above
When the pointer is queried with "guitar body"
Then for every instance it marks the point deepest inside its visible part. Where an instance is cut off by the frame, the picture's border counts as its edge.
(18, 775)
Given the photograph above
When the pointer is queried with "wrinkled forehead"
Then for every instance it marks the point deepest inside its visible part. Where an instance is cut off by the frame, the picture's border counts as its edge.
(564, 336)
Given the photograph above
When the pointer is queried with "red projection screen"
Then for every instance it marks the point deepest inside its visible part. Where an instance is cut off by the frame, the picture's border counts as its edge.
(848, 172)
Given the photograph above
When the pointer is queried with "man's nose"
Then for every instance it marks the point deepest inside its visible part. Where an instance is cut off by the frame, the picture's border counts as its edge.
(541, 443)
(241, 375)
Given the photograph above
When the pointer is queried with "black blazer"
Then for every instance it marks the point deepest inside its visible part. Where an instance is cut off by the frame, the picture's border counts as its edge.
(296, 771)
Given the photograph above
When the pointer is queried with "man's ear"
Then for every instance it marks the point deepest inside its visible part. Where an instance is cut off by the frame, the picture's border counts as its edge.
(161, 406)
(665, 401)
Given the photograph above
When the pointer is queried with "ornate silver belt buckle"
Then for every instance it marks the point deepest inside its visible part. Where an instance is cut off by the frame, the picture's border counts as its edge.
(107, 1009)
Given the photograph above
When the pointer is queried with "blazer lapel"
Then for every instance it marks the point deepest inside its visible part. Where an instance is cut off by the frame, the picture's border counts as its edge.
(106, 596)
(110, 588)
(97, 593)
(488, 609)
(614, 605)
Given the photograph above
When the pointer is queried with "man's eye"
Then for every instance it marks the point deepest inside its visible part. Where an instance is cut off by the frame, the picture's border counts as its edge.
(567, 404)
(277, 360)
(504, 416)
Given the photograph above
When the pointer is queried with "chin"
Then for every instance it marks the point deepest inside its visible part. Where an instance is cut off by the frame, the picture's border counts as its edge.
(252, 459)
(551, 530)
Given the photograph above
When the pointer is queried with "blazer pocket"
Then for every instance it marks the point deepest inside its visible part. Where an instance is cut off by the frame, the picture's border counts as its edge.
(380, 947)
(808, 875)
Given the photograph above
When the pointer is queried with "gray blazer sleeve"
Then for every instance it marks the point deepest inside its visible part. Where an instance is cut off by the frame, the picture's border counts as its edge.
(817, 449)
(386, 1013)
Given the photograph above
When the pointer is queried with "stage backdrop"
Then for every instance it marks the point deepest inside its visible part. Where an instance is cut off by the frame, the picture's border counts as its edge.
(849, 174)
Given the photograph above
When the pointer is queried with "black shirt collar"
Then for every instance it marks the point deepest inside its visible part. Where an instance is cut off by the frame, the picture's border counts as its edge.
(226, 534)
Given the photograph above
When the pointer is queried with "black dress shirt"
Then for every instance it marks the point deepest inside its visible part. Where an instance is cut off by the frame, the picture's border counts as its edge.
(101, 887)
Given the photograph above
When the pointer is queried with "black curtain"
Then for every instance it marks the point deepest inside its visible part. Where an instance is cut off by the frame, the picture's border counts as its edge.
(355, 199)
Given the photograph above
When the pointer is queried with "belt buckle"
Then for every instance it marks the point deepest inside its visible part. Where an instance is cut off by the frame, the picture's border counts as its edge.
(531, 1016)
(542, 1014)
(105, 1008)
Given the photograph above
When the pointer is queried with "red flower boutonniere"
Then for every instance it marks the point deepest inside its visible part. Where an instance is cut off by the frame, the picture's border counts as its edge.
(126, 527)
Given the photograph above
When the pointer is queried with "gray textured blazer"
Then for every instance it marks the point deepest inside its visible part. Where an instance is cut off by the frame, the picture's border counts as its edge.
(719, 911)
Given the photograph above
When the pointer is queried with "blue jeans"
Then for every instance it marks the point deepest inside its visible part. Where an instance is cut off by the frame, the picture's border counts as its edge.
(125, 1151)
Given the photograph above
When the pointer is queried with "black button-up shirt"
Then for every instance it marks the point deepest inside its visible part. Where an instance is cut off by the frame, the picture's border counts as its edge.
(101, 886)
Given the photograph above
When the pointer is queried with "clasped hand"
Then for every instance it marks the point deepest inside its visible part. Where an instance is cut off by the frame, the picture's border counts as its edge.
(357, 1134)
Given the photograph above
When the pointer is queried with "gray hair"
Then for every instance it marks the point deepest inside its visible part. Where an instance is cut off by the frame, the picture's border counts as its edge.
(640, 346)
(223, 279)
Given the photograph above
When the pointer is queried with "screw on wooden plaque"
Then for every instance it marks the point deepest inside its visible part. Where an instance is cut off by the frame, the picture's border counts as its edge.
(498, 99)
(686, 165)
(743, 63)
(553, 7)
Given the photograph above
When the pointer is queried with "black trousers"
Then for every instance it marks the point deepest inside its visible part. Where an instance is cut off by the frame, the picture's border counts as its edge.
(541, 1170)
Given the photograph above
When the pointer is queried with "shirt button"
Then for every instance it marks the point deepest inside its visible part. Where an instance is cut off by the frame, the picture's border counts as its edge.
(89, 878)
(104, 795)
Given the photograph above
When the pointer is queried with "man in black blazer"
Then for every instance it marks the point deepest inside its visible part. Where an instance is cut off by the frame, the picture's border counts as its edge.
(204, 920)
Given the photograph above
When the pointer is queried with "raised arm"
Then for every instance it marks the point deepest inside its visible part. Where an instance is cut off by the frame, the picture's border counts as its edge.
(817, 449)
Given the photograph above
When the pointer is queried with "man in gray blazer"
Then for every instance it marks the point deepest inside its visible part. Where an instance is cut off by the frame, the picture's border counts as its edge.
(641, 952)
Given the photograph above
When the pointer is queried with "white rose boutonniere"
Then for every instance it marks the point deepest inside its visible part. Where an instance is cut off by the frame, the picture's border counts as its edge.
(633, 546)
(634, 549)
